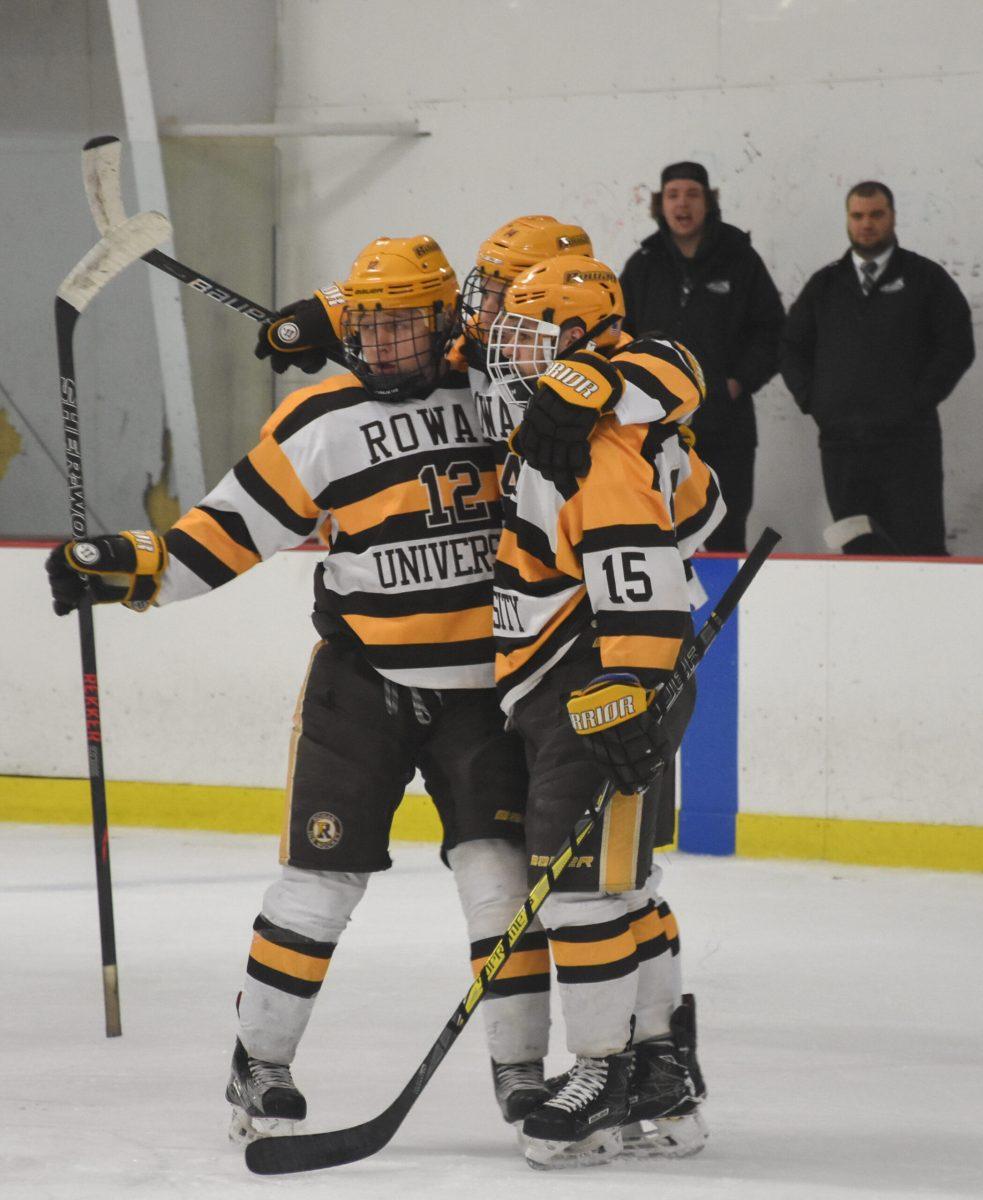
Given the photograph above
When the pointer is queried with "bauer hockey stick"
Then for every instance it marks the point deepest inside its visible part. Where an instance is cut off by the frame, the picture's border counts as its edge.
(100, 173)
(112, 254)
(315, 1151)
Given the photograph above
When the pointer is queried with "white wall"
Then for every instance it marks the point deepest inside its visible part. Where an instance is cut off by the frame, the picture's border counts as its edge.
(57, 89)
(861, 685)
(559, 105)
(211, 61)
(215, 62)
(572, 107)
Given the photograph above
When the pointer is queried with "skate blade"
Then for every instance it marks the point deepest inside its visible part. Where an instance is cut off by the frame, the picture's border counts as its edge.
(244, 1129)
(593, 1151)
(666, 1137)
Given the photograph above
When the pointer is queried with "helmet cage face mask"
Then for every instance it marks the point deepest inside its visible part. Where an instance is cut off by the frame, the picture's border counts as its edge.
(551, 297)
(510, 251)
(400, 312)
(481, 301)
(397, 353)
(521, 349)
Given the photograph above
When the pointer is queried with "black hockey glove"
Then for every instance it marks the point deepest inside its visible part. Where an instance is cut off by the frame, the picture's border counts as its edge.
(118, 568)
(304, 334)
(554, 437)
(612, 715)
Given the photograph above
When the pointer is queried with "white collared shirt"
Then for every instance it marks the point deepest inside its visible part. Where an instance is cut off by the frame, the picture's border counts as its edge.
(880, 260)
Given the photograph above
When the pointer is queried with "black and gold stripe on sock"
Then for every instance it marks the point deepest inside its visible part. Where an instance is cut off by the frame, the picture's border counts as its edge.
(527, 970)
(286, 960)
(593, 953)
(654, 930)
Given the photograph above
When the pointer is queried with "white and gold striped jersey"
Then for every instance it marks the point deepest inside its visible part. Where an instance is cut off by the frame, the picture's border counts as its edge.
(605, 559)
(405, 498)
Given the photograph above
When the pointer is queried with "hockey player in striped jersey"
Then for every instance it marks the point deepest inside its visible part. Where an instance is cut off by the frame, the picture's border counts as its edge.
(307, 333)
(501, 258)
(591, 593)
(555, 434)
(386, 464)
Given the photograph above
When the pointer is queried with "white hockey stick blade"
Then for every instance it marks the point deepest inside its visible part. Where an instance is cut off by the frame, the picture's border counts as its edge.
(100, 174)
(837, 535)
(113, 253)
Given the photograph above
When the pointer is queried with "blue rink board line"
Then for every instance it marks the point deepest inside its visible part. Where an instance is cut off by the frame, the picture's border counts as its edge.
(708, 810)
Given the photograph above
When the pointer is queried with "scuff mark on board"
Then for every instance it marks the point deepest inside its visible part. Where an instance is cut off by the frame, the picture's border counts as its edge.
(161, 506)
(11, 442)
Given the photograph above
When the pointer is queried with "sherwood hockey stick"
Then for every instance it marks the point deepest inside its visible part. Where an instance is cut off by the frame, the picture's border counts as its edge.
(315, 1151)
(112, 254)
(100, 173)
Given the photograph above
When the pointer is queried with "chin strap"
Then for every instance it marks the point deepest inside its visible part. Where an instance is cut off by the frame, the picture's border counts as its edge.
(586, 342)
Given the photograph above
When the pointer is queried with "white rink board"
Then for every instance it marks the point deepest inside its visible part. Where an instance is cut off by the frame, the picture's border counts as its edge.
(860, 691)
(861, 685)
(199, 692)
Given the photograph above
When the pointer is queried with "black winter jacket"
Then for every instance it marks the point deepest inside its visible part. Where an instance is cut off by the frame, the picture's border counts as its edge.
(866, 366)
(721, 304)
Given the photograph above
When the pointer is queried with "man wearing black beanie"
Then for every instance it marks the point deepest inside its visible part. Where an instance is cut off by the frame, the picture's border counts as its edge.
(699, 281)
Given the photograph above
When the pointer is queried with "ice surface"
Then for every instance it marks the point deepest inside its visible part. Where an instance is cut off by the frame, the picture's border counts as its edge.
(841, 1022)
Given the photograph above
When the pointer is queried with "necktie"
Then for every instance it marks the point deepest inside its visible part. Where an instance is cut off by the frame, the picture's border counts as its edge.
(869, 270)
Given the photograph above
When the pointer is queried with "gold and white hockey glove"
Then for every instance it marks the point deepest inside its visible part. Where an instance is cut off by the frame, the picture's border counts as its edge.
(117, 568)
(554, 437)
(305, 334)
(612, 715)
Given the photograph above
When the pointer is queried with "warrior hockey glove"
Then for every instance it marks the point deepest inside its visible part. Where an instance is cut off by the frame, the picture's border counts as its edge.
(118, 568)
(305, 333)
(612, 715)
(554, 437)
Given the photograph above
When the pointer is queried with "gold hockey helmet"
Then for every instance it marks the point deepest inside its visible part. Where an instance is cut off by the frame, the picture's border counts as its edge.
(549, 300)
(510, 250)
(522, 243)
(399, 316)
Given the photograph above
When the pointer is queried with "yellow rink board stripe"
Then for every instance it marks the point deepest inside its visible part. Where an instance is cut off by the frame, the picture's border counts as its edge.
(872, 843)
(36, 800)
(40, 800)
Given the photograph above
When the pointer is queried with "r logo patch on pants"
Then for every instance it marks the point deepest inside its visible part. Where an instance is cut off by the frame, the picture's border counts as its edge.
(324, 831)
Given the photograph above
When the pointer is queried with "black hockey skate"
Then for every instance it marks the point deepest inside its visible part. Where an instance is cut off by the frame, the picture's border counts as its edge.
(264, 1098)
(665, 1093)
(519, 1088)
(581, 1124)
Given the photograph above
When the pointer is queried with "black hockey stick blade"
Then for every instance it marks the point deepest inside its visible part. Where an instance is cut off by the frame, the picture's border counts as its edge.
(318, 1151)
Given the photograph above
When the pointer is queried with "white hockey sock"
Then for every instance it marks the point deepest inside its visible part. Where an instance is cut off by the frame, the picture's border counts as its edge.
(596, 966)
(491, 882)
(304, 914)
(653, 927)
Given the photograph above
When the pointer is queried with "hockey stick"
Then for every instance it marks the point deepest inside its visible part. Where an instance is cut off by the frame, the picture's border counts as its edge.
(315, 1151)
(100, 173)
(851, 529)
(112, 254)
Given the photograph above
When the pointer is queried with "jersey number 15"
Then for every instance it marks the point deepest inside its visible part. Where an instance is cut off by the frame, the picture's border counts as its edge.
(625, 580)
